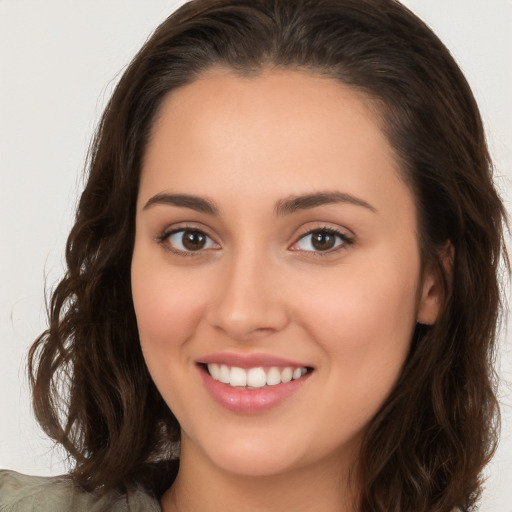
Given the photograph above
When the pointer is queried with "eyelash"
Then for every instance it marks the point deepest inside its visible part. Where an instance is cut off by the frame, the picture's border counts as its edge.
(346, 240)
(163, 240)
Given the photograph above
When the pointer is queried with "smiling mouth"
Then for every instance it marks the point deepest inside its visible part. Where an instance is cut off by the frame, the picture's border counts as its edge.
(254, 378)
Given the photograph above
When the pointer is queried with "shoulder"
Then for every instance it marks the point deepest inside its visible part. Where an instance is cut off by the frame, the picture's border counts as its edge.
(23, 493)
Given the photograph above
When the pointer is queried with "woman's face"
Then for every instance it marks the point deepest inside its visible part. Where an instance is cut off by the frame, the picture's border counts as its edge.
(275, 240)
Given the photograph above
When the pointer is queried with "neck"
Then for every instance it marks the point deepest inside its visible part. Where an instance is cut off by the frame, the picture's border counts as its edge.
(200, 485)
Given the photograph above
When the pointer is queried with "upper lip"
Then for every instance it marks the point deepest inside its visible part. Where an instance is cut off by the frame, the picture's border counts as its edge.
(249, 360)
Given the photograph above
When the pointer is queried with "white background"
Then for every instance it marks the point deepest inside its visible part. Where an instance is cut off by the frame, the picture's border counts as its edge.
(59, 60)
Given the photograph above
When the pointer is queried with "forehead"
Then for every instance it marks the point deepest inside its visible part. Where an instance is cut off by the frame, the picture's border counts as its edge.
(279, 104)
(295, 131)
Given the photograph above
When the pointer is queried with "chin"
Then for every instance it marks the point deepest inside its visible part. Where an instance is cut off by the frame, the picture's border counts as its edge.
(255, 463)
(246, 455)
(253, 454)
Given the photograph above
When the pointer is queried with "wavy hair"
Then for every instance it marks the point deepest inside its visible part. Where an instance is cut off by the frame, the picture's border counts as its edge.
(426, 447)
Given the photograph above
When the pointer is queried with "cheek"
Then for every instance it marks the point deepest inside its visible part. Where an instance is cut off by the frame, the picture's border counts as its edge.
(167, 309)
(167, 305)
(364, 318)
(364, 327)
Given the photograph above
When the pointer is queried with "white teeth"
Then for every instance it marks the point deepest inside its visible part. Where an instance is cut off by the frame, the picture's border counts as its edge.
(215, 370)
(286, 375)
(273, 377)
(224, 374)
(237, 377)
(254, 377)
(297, 373)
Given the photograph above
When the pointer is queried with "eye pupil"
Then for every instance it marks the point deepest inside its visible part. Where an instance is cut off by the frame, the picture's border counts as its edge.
(193, 240)
(322, 240)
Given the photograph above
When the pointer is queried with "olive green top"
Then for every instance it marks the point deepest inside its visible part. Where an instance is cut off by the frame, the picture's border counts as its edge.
(23, 493)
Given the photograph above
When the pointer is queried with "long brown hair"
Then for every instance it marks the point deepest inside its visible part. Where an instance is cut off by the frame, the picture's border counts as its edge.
(426, 447)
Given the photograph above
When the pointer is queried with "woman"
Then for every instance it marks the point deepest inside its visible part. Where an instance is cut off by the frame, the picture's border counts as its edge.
(282, 274)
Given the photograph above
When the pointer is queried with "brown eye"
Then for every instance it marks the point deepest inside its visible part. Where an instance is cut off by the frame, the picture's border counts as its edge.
(193, 240)
(190, 240)
(321, 240)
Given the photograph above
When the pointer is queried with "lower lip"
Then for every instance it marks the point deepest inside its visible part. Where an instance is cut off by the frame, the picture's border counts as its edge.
(251, 401)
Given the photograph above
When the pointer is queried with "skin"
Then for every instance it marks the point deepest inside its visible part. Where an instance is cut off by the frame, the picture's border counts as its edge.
(259, 285)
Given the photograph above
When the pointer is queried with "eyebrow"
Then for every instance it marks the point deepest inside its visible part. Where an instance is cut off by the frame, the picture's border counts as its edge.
(199, 204)
(308, 201)
(283, 207)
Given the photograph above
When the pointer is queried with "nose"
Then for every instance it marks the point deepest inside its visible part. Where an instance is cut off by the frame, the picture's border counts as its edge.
(249, 301)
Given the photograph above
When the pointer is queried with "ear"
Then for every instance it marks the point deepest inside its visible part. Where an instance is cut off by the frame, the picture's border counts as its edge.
(434, 292)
